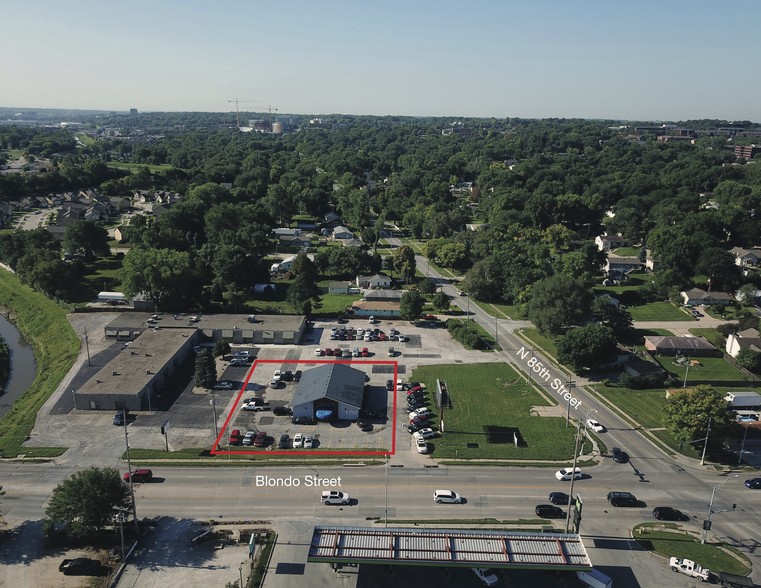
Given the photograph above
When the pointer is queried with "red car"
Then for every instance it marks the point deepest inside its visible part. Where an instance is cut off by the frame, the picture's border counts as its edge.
(365, 352)
(337, 352)
(139, 475)
(382, 337)
(261, 439)
(429, 317)
(235, 437)
(419, 420)
(328, 351)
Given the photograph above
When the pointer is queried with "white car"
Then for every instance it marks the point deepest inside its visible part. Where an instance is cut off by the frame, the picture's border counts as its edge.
(426, 433)
(449, 496)
(565, 474)
(318, 352)
(277, 375)
(595, 426)
(224, 385)
(308, 442)
(254, 407)
(486, 575)
(423, 411)
(298, 440)
(335, 497)
(422, 446)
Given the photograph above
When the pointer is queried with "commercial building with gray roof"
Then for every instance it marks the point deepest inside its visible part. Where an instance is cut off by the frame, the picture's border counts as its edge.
(332, 387)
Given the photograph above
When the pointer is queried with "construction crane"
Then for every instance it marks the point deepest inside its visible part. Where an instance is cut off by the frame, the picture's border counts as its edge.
(237, 112)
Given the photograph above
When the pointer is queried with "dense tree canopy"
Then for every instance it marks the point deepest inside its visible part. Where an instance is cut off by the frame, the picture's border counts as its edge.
(687, 413)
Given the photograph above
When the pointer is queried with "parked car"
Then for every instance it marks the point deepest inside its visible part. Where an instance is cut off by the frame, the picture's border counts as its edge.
(365, 352)
(390, 385)
(558, 498)
(287, 376)
(261, 439)
(318, 352)
(619, 456)
(429, 317)
(329, 351)
(302, 420)
(297, 376)
(235, 437)
(666, 513)
(423, 421)
(549, 511)
(335, 497)
(255, 406)
(446, 496)
(753, 483)
(426, 433)
(364, 426)
(238, 362)
(391, 352)
(423, 411)
(298, 440)
(308, 442)
(595, 426)
(486, 575)
(224, 385)
(80, 566)
(622, 499)
(248, 438)
(337, 352)
(422, 446)
(242, 354)
(282, 411)
(346, 352)
(285, 441)
(416, 427)
(566, 474)
(120, 418)
(139, 475)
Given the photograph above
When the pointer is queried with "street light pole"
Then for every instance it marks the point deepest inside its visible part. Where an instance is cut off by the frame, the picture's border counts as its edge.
(705, 441)
(742, 447)
(573, 478)
(129, 470)
(213, 403)
(707, 522)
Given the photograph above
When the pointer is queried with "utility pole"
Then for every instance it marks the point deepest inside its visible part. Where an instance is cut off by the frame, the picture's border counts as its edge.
(707, 522)
(129, 470)
(87, 346)
(573, 477)
(705, 442)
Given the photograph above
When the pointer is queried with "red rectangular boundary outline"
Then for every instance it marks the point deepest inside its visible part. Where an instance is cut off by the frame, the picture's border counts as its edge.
(217, 441)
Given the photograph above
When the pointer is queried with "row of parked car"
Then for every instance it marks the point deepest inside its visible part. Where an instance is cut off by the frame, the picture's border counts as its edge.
(370, 334)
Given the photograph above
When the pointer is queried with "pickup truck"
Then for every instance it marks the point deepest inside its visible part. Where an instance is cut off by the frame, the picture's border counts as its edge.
(689, 568)
(335, 497)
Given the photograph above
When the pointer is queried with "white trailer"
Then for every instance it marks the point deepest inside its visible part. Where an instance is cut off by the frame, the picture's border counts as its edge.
(594, 579)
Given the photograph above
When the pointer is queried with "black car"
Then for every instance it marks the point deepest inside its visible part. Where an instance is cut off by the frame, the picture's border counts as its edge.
(287, 376)
(302, 420)
(415, 428)
(619, 456)
(390, 385)
(118, 419)
(622, 499)
(285, 442)
(558, 498)
(548, 511)
(666, 513)
(364, 426)
(80, 566)
(297, 376)
(753, 483)
(282, 411)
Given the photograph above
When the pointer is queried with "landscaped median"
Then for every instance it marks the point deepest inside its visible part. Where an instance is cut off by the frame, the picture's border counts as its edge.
(43, 324)
(670, 540)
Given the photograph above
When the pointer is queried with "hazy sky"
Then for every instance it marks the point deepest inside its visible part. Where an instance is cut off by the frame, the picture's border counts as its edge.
(635, 59)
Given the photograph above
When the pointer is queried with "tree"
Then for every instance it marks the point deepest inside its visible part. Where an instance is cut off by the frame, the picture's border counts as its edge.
(86, 237)
(750, 360)
(686, 413)
(558, 302)
(206, 369)
(441, 302)
(411, 305)
(587, 347)
(426, 286)
(452, 254)
(614, 316)
(404, 262)
(166, 276)
(85, 502)
(221, 348)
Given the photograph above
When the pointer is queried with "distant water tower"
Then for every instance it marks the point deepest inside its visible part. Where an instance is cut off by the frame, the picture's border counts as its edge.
(277, 127)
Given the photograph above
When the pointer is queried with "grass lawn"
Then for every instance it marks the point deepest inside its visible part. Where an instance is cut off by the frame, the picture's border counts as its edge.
(713, 369)
(730, 313)
(627, 251)
(711, 335)
(136, 167)
(644, 406)
(44, 326)
(658, 311)
(512, 311)
(541, 341)
(101, 274)
(634, 282)
(489, 401)
(671, 542)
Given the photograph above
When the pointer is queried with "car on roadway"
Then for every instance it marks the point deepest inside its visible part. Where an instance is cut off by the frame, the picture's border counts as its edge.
(486, 575)
(566, 474)
(335, 497)
(619, 456)
(558, 498)
(595, 426)
(261, 439)
(446, 497)
(426, 433)
(298, 440)
(622, 499)
(421, 445)
(285, 441)
(308, 442)
(667, 513)
(753, 483)
(549, 511)
(429, 317)
(248, 438)
(139, 475)
(224, 385)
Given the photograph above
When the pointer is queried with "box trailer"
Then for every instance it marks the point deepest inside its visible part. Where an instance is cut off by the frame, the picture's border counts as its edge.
(594, 579)
(743, 400)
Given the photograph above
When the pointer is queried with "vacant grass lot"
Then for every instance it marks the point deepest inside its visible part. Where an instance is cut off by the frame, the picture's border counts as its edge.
(136, 167)
(712, 336)
(672, 542)
(658, 311)
(493, 395)
(540, 341)
(644, 406)
(713, 369)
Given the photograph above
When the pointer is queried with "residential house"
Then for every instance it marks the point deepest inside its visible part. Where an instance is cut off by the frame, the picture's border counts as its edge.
(120, 204)
(697, 296)
(286, 264)
(609, 242)
(286, 232)
(651, 264)
(747, 339)
(341, 232)
(332, 217)
(691, 346)
(374, 281)
(362, 308)
(617, 266)
(296, 241)
(747, 257)
(342, 288)
(352, 243)
(119, 235)
(306, 225)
